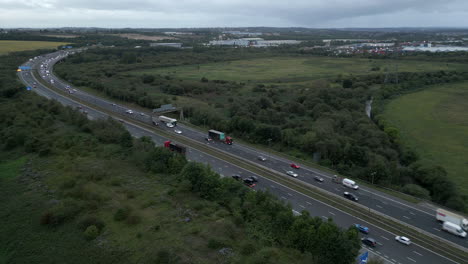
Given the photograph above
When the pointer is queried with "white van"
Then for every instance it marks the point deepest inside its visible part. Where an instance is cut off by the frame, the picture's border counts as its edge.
(350, 183)
(454, 229)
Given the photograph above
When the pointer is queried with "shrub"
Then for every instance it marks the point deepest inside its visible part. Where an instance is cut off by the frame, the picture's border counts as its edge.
(91, 232)
(133, 219)
(90, 220)
(215, 244)
(416, 190)
(122, 214)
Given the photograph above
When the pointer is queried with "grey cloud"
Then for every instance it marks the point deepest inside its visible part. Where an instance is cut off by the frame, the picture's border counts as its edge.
(309, 13)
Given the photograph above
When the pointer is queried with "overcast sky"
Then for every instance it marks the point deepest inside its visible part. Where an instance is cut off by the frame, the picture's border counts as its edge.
(233, 13)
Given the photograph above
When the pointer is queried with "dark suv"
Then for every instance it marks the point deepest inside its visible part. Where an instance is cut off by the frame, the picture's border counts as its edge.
(350, 196)
(369, 241)
(236, 177)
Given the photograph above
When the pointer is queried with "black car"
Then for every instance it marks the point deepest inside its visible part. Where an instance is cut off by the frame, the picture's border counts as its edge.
(236, 177)
(369, 241)
(249, 182)
(350, 196)
(254, 178)
(318, 178)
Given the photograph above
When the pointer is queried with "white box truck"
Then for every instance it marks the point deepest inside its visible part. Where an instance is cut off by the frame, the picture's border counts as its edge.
(446, 216)
(170, 122)
(454, 229)
(350, 183)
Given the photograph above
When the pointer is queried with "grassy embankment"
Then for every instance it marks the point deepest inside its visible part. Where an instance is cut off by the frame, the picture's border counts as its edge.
(434, 123)
(294, 69)
(7, 46)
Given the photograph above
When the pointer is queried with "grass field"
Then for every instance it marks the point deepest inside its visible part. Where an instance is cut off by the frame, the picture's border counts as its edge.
(435, 123)
(293, 69)
(7, 46)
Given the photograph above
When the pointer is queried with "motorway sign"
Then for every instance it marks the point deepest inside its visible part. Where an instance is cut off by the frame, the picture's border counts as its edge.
(28, 88)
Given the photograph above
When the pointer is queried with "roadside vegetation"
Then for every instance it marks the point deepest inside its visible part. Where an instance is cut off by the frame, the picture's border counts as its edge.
(81, 191)
(308, 106)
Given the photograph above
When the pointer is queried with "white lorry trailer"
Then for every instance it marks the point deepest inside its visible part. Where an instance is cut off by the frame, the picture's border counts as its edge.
(170, 122)
(446, 216)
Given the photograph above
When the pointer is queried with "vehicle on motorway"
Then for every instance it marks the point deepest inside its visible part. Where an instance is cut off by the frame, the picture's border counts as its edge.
(175, 147)
(208, 139)
(219, 136)
(261, 158)
(254, 178)
(403, 240)
(249, 182)
(129, 111)
(178, 131)
(362, 229)
(292, 174)
(454, 229)
(369, 241)
(142, 114)
(74, 90)
(350, 184)
(295, 166)
(337, 179)
(318, 178)
(170, 122)
(446, 216)
(350, 196)
(113, 104)
(237, 177)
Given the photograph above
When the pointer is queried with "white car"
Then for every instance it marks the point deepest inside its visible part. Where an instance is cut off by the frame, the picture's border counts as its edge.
(403, 240)
(292, 174)
(178, 131)
(129, 111)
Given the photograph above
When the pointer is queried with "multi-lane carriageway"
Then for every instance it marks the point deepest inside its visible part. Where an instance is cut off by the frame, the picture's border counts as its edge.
(422, 217)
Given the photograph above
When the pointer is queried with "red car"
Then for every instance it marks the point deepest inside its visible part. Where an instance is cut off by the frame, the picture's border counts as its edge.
(295, 166)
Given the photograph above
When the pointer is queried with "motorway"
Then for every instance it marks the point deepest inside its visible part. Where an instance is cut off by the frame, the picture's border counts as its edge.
(388, 249)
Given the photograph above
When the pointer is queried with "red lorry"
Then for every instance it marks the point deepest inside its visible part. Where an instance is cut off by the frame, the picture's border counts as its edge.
(219, 136)
(175, 147)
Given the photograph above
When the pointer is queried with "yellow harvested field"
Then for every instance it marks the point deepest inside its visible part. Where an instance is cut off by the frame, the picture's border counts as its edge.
(7, 46)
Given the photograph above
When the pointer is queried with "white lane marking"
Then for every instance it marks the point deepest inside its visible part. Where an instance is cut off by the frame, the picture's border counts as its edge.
(378, 252)
(282, 197)
(337, 189)
(302, 206)
(384, 238)
(324, 217)
(411, 259)
(309, 203)
(379, 206)
(384, 202)
(412, 213)
(417, 253)
(436, 229)
(394, 260)
(331, 213)
(406, 217)
(290, 194)
(272, 186)
(380, 244)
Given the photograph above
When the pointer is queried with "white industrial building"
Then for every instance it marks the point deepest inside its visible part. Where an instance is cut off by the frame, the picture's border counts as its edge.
(173, 45)
(252, 42)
